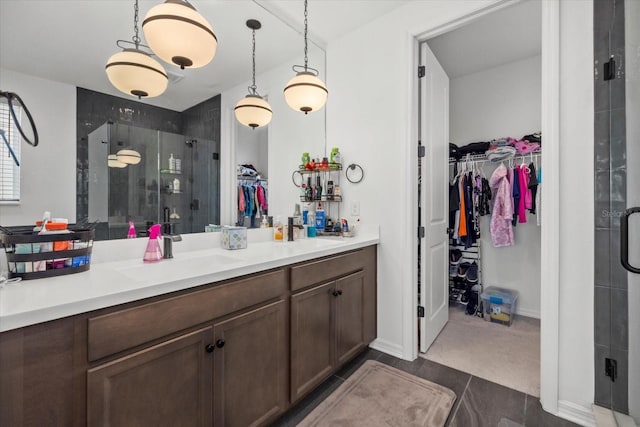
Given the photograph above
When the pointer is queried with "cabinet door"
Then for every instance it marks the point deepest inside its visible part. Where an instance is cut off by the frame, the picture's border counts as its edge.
(251, 367)
(169, 384)
(312, 335)
(349, 316)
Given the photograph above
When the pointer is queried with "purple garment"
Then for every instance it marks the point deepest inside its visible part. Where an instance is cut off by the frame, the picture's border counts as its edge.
(500, 226)
(523, 185)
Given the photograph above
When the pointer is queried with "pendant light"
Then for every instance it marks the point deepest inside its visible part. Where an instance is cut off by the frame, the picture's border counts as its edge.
(179, 35)
(129, 157)
(113, 162)
(252, 110)
(305, 92)
(133, 71)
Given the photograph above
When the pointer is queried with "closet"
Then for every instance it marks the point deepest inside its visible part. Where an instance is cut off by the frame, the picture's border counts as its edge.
(493, 87)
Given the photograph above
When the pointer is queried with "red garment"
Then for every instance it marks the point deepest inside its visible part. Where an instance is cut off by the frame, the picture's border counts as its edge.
(462, 229)
(262, 198)
(240, 199)
(523, 177)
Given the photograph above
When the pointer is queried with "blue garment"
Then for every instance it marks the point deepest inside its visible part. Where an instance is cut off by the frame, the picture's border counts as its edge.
(516, 196)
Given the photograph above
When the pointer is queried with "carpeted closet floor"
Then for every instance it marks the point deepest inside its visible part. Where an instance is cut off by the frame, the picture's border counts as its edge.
(509, 356)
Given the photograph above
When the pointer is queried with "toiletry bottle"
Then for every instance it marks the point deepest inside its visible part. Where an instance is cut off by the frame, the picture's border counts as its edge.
(178, 165)
(320, 218)
(311, 229)
(278, 229)
(318, 190)
(305, 214)
(309, 190)
(153, 253)
(329, 190)
(176, 185)
(172, 164)
(132, 231)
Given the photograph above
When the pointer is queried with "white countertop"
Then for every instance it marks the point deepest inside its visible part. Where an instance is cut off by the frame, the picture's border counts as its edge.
(116, 276)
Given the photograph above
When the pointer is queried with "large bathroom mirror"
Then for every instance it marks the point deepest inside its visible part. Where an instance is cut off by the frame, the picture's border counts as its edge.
(65, 44)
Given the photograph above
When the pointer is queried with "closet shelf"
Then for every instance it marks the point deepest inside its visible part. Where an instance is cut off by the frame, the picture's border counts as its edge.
(483, 158)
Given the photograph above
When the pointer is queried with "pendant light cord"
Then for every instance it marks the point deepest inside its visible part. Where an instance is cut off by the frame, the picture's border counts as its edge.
(253, 87)
(136, 37)
(306, 59)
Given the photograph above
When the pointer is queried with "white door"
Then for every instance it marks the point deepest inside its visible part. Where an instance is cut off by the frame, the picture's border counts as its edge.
(434, 130)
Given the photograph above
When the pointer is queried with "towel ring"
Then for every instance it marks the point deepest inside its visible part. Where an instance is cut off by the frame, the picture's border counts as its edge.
(354, 173)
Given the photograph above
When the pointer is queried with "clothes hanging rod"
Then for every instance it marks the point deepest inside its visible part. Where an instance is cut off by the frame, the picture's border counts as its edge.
(482, 158)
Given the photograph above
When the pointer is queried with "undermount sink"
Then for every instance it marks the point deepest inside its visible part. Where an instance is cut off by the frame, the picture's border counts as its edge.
(176, 268)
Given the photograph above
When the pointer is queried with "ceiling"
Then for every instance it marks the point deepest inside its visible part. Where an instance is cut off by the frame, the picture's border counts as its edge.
(507, 35)
(70, 41)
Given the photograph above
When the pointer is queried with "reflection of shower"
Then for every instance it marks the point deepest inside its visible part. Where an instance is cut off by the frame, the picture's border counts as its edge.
(190, 142)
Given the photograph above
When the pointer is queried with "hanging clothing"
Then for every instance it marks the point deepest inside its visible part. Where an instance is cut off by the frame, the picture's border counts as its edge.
(525, 194)
(533, 186)
(501, 219)
(462, 229)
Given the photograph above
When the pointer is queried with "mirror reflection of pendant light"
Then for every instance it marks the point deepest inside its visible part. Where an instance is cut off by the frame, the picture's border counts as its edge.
(133, 71)
(179, 35)
(113, 162)
(252, 110)
(305, 92)
(129, 157)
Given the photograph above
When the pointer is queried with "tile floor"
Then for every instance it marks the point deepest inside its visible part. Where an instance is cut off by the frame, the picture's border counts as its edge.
(479, 403)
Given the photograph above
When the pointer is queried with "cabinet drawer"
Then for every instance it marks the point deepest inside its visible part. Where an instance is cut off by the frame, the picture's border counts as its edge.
(312, 273)
(118, 331)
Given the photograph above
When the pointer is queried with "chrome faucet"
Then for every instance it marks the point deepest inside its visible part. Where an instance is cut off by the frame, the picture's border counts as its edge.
(168, 240)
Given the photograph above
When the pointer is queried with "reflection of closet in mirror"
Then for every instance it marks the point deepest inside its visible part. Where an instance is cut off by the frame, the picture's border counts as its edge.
(251, 149)
(181, 193)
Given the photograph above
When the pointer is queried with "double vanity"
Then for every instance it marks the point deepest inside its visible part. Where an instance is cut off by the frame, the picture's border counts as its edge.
(212, 337)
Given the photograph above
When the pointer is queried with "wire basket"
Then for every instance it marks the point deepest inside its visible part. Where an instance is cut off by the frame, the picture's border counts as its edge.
(35, 256)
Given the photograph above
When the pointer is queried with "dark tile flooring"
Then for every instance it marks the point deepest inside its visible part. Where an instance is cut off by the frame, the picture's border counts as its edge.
(479, 403)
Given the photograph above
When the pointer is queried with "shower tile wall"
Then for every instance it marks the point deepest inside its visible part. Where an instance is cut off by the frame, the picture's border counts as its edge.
(95, 108)
(611, 311)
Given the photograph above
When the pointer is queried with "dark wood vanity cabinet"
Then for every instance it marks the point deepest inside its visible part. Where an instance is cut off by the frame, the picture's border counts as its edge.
(167, 384)
(333, 321)
(233, 353)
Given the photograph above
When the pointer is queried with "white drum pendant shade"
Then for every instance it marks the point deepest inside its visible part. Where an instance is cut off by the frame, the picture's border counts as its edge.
(113, 162)
(306, 92)
(179, 35)
(136, 73)
(253, 111)
(130, 157)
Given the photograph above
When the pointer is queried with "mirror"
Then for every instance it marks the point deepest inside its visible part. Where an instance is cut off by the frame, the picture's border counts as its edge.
(48, 49)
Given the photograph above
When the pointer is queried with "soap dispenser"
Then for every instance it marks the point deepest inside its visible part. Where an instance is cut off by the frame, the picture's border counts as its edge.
(153, 252)
(132, 231)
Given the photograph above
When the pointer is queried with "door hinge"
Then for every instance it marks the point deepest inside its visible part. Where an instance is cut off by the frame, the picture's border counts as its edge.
(421, 150)
(421, 232)
(420, 311)
(610, 69)
(611, 369)
(421, 71)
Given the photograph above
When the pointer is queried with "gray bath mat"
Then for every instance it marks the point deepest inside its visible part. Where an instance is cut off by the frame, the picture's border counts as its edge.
(379, 395)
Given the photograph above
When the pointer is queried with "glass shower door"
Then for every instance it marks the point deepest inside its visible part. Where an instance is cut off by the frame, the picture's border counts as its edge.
(630, 221)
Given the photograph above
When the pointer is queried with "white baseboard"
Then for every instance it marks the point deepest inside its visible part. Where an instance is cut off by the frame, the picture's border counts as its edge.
(576, 413)
(388, 347)
(528, 313)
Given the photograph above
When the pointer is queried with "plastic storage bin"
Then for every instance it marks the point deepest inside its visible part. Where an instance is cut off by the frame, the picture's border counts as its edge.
(233, 237)
(499, 305)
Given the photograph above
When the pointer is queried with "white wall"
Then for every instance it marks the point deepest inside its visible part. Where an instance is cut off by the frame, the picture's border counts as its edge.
(371, 116)
(290, 133)
(576, 379)
(48, 171)
(498, 102)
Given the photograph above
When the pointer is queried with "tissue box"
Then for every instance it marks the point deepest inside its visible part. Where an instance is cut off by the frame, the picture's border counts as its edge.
(233, 237)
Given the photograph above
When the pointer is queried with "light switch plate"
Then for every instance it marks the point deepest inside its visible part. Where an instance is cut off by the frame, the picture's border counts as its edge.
(355, 208)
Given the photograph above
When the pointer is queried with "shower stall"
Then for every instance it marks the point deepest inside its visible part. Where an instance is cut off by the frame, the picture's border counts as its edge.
(617, 204)
(175, 183)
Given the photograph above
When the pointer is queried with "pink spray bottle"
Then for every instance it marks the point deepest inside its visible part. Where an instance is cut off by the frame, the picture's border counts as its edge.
(132, 231)
(153, 252)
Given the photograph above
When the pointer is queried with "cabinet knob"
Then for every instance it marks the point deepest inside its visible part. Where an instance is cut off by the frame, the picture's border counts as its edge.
(335, 293)
(209, 348)
(220, 343)
(339, 291)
